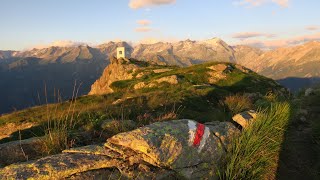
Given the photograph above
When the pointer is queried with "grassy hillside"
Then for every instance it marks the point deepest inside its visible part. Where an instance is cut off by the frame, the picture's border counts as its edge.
(201, 94)
(205, 92)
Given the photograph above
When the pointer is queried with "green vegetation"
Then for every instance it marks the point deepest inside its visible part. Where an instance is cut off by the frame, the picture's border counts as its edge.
(194, 97)
(237, 103)
(254, 154)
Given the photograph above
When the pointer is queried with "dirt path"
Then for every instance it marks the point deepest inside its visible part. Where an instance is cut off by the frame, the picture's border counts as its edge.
(299, 156)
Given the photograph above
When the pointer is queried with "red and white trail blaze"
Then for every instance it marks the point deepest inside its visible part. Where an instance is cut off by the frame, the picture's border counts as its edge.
(198, 134)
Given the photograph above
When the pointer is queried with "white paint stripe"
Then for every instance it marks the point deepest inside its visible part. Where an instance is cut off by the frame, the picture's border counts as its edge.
(205, 136)
(192, 131)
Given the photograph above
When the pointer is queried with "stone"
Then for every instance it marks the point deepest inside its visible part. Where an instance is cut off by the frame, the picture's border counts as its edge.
(118, 70)
(168, 79)
(139, 85)
(218, 67)
(309, 92)
(161, 70)
(163, 150)
(244, 119)
(243, 69)
(9, 128)
(19, 151)
(171, 145)
(218, 72)
(58, 166)
(173, 79)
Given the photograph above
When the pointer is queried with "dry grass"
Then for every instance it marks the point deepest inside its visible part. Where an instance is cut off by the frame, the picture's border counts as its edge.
(237, 103)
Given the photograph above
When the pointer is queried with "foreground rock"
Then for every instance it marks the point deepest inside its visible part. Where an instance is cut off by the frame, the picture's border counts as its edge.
(176, 145)
(17, 151)
(179, 148)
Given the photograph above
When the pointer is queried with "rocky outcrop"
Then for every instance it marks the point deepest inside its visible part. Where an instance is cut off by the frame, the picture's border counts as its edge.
(218, 72)
(180, 148)
(173, 79)
(119, 69)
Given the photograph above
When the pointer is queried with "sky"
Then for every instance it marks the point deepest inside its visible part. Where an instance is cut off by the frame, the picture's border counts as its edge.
(27, 24)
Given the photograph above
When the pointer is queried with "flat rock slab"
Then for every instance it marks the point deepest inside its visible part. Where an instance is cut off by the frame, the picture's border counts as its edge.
(58, 166)
(19, 151)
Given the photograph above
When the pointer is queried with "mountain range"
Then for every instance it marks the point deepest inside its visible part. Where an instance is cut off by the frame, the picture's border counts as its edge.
(32, 77)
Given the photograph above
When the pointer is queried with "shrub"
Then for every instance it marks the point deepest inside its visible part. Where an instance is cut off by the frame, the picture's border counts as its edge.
(237, 103)
(254, 154)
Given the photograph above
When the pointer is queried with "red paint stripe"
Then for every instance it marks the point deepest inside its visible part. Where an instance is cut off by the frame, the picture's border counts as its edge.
(199, 134)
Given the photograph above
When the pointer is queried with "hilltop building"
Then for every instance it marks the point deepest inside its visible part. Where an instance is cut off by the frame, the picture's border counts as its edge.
(123, 52)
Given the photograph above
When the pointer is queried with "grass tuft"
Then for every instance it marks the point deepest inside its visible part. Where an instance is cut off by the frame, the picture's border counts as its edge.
(254, 154)
(237, 103)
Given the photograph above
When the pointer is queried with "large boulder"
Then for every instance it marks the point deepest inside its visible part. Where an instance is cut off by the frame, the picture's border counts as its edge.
(176, 145)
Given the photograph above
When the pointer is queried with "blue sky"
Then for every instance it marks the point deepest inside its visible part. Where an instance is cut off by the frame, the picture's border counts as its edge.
(263, 23)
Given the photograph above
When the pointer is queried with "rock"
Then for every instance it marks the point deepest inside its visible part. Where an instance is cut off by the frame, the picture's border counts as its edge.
(218, 72)
(58, 166)
(9, 128)
(19, 151)
(173, 79)
(161, 70)
(245, 118)
(119, 69)
(172, 144)
(309, 92)
(139, 85)
(303, 119)
(163, 150)
(218, 67)
(243, 69)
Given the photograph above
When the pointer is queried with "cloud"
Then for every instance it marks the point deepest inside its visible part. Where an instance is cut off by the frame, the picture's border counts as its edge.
(272, 44)
(60, 43)
(312, 28)
(247, 35)
(143, 29)
(144, 22)
(255, 3)
(136, 4)
(152, 40)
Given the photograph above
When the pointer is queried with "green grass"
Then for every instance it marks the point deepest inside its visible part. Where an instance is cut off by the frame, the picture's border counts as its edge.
(254, 154)
(201, 103)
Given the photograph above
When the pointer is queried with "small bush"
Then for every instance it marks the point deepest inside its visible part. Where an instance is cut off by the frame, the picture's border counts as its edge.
(237, 103)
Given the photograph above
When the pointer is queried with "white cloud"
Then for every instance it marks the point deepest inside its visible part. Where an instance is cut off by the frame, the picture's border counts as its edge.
(272, 44)
(143, 29)
(144, 22)
(312, 28)
(255, 3)
(247, 35)
(59, 43)
(136, 4)
(152, 40)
